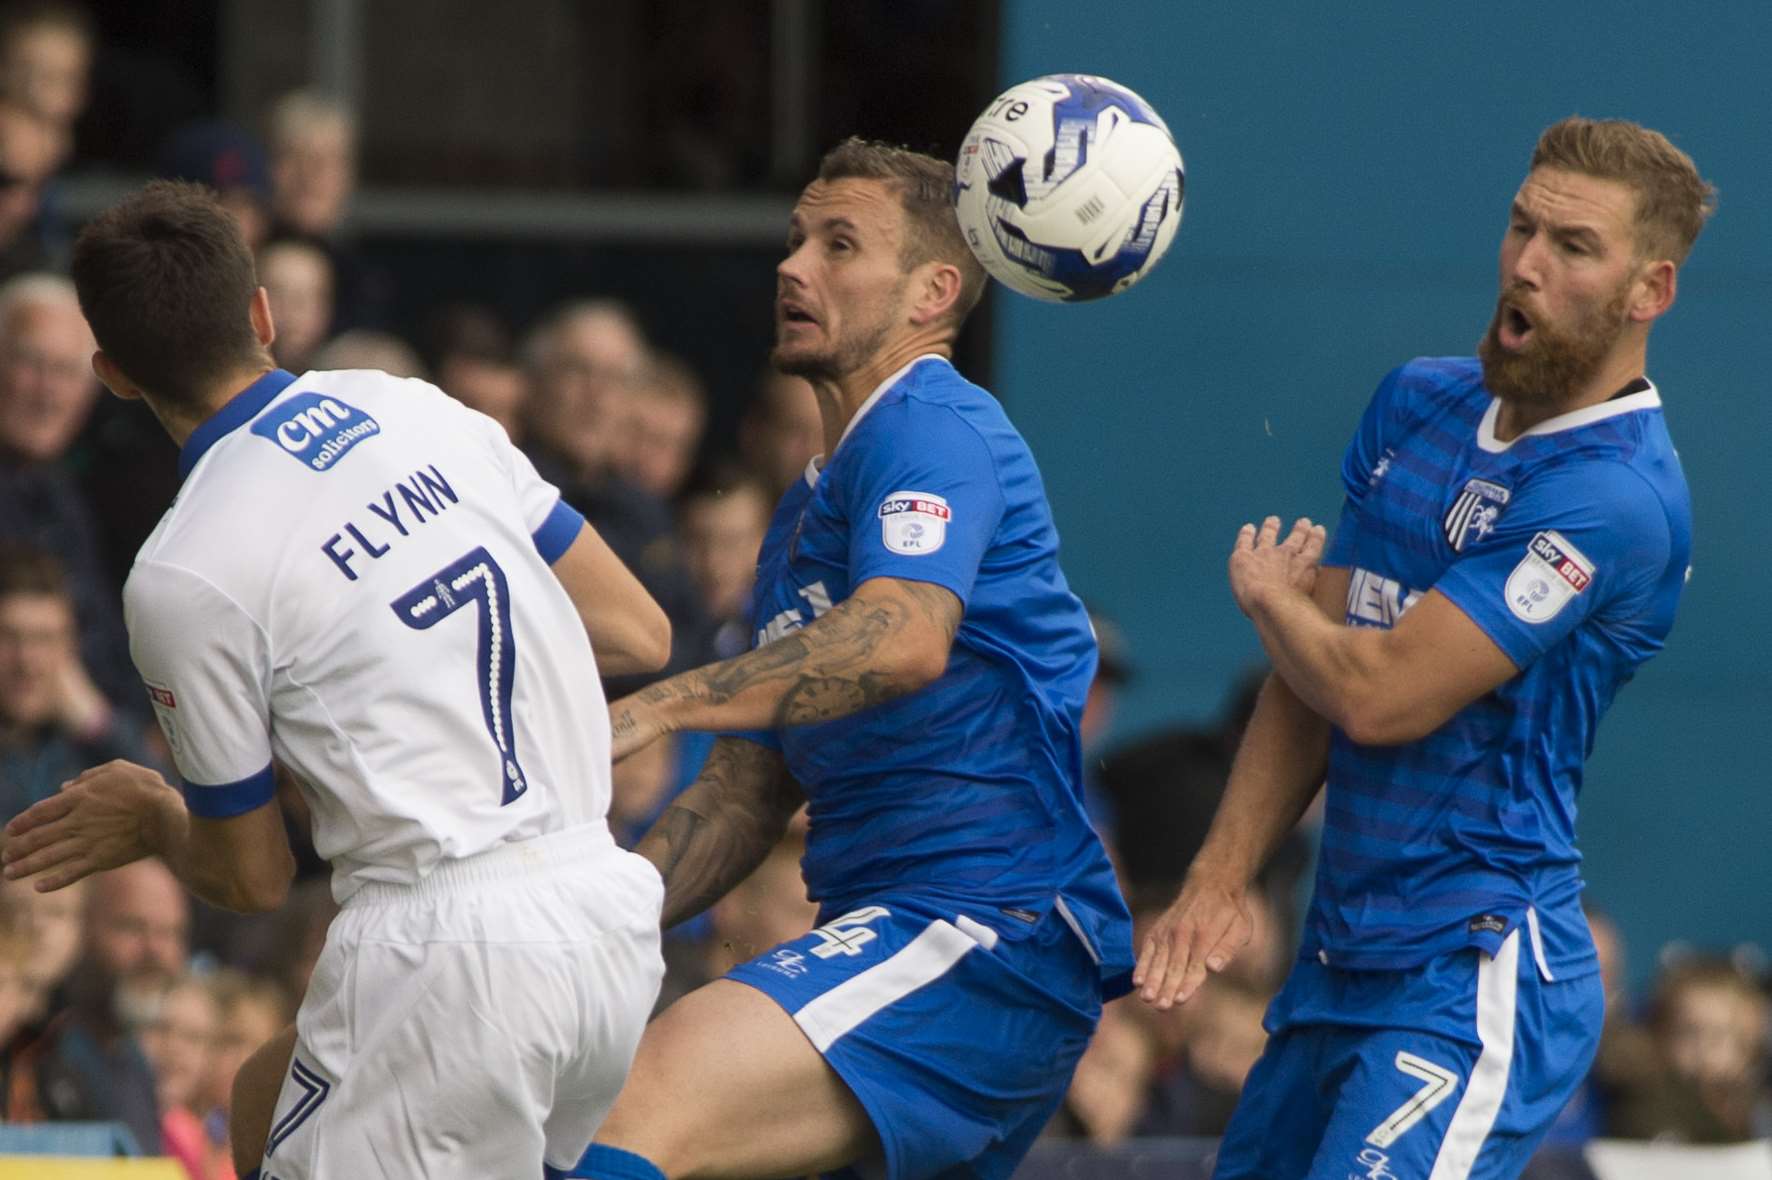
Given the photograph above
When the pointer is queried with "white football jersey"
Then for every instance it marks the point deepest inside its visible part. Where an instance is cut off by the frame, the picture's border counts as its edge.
(354, 580)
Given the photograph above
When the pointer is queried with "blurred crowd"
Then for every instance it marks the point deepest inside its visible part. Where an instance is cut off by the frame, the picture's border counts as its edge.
(123, 1000)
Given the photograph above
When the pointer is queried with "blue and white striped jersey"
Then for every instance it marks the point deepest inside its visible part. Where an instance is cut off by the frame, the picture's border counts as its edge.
(1568, 546)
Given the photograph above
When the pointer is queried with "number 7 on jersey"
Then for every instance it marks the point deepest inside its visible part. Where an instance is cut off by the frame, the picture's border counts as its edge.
(475, 579)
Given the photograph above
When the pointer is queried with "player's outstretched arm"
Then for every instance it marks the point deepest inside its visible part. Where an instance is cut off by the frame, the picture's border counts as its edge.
(1277, 772)
(718, 831)
(629, 630)
(117, 813)
(892, 636)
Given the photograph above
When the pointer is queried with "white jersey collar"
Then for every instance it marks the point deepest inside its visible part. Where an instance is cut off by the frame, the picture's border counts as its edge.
(1646, 399)
(812, 467)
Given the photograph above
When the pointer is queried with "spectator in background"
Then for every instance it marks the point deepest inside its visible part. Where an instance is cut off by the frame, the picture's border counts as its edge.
(662, 417)
(55, 923)
(46, 61)
(297, 277)
(781, 431)
(471, 354)
(580, 359)
(16, 995)
(180, 1043)
(1111, 1088)
(253, 1010)
(1222, 1037)
(313, 142)
(46, 393)
(54, 723)
(361, 348)
(1706, 1082)
(231, 161)
(29, 153)
(88, 1065)
(313, 148)
(721, 521)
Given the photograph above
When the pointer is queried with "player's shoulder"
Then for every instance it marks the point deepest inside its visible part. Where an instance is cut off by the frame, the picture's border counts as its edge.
(932, 399)
(1429, 384)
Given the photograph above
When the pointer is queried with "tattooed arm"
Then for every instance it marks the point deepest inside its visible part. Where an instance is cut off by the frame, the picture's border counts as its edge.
(888, 638)
(720, 829)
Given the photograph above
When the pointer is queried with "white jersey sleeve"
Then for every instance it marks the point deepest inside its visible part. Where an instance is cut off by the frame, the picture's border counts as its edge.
(206, 663)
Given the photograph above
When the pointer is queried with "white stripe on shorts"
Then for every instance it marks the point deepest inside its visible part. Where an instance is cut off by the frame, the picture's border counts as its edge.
(1498, 982)
(924, 959)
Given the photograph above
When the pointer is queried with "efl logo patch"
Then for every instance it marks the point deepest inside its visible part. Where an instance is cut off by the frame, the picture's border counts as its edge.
(316, 429)
(1547, 579)
(914, 523)
(1473, 513)
(162, 697)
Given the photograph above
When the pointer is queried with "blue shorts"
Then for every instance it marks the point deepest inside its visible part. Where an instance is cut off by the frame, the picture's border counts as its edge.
(1366, 1076)
(958, 1043)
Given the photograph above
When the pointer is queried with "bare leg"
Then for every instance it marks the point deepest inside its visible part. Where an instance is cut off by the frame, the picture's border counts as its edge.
(727, 1087)
(256, 1087)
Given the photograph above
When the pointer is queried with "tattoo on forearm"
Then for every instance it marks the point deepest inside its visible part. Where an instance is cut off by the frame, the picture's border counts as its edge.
(720, 829)
(830, 669)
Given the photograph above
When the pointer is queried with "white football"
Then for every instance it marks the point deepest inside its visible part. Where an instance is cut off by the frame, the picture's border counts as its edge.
(1069, 187)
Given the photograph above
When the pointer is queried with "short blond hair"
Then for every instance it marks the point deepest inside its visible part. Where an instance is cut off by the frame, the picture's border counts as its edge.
(1673, 201)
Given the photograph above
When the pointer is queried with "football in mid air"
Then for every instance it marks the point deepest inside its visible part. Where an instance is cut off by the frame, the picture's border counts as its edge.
(1068, 187)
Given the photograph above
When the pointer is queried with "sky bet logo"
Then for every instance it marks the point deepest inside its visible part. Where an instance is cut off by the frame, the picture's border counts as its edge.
(316, 429)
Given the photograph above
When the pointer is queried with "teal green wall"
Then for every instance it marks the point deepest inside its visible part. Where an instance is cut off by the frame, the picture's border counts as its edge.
(1349, 171)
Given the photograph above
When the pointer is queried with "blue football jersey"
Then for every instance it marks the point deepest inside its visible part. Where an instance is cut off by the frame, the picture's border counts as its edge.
(969, 790)
(1568, 546)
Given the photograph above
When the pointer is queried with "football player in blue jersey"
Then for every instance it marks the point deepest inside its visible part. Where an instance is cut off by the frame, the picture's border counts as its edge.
(1512, 546)
(917, 679)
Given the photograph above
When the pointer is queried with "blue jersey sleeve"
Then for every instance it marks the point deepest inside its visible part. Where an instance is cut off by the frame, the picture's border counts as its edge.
(1580, 541)
(923, 499)
(1360, 464)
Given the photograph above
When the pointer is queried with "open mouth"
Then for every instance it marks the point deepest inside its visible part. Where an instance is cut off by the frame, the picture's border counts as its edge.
(1514, 326)
(793, 313)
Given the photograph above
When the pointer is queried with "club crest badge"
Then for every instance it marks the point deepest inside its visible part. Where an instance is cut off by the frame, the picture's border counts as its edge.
(1474, 513)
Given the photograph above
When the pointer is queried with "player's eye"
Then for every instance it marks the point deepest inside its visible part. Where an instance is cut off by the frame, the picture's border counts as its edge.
(841, 245)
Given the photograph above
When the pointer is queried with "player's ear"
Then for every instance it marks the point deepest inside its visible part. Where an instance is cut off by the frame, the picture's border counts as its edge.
(260, 313)
(112, 378)
(1654, 289)
(937, 285)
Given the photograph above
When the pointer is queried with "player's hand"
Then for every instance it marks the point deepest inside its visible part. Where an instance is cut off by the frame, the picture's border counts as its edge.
(105, 818)
(1261, 563)
(634, 724)
(1201, 931)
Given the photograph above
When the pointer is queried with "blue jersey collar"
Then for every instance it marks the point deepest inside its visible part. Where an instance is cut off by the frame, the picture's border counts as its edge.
(240, 409)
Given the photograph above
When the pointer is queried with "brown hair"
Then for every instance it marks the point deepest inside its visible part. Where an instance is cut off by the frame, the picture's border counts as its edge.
(1672, 199)
(926, 189)
(165, 281)
(1700, 973)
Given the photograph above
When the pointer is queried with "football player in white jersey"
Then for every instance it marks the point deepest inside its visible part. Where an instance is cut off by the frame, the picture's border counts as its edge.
(354, 584)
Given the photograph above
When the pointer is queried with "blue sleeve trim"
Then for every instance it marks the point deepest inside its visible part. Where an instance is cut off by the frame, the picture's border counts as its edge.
(558, 531)
(226, 800)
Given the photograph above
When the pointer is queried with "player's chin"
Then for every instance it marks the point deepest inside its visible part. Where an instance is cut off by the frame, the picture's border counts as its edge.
(798, 358)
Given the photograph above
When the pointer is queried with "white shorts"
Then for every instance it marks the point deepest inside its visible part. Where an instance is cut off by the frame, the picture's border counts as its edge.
(477, 1024)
